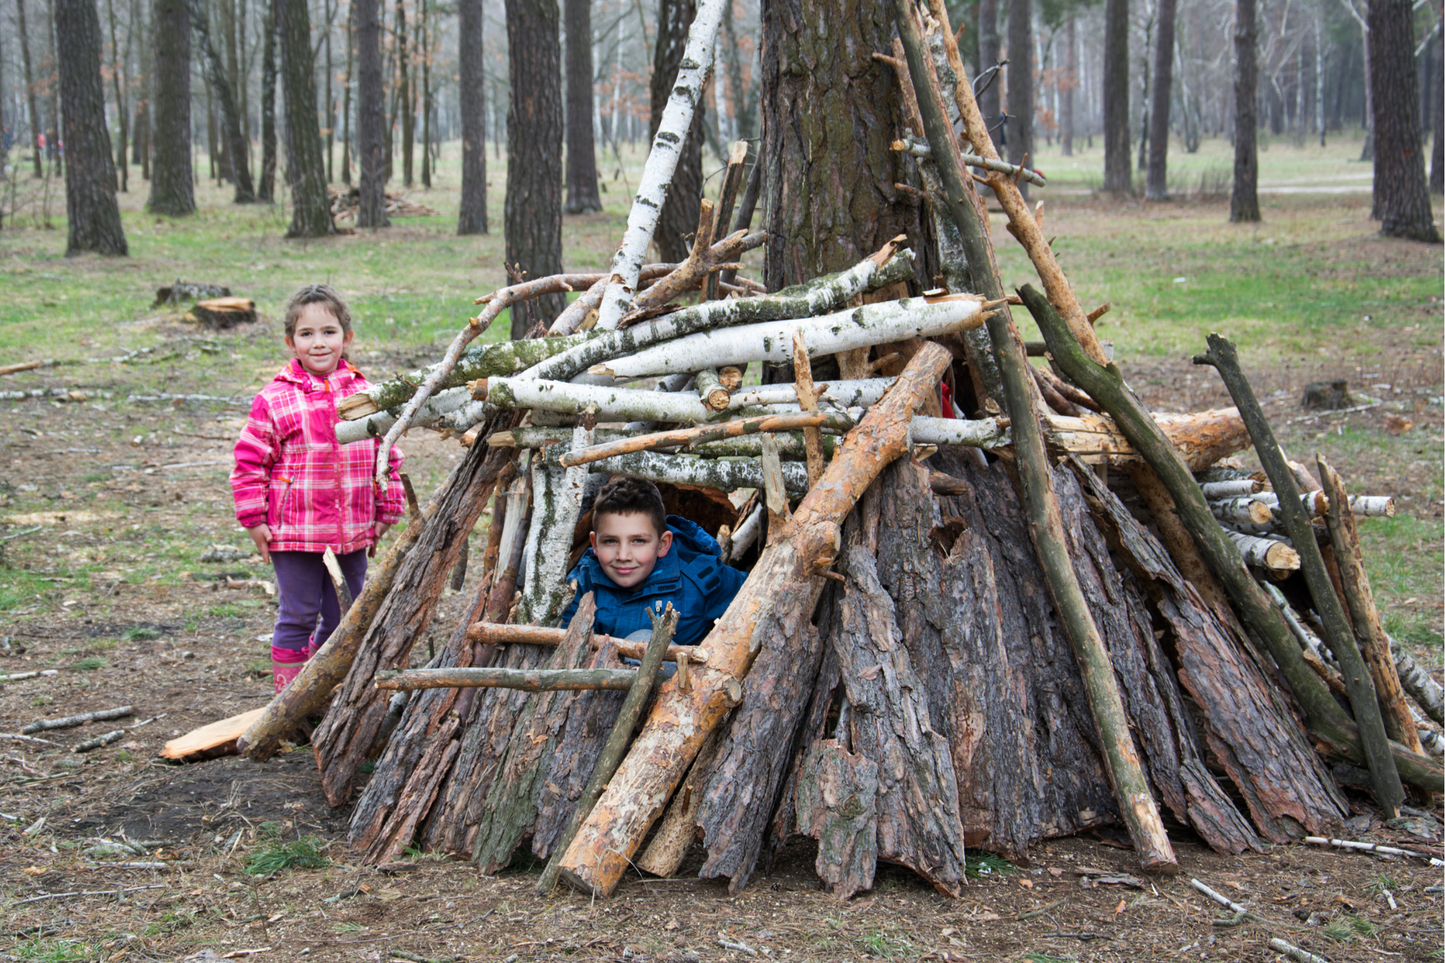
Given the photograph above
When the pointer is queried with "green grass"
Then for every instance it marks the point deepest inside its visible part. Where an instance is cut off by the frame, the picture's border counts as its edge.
(90, 664)
(980, 865)
(56, 951)
(304, 853)
(888, 946)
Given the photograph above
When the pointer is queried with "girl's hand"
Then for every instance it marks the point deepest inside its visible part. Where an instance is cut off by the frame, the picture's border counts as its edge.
(261, 535)
(380, 528)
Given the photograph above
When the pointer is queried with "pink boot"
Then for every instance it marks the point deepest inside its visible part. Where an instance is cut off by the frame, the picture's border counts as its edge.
(286, 664)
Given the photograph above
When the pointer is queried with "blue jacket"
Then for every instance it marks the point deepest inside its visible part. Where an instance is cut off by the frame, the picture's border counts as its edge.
(690, 576)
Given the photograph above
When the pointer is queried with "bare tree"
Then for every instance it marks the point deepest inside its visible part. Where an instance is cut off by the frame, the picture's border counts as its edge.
(234, 161)
(1402, 195)
(1020, 83)
(305, 165)
(1118, 175)
(582, 193)
(267, 190)
(35, 126)
(1067, 83)
(346, 96)
(1437, 160)
(117, 76)
(679, 211)
(988, 57)
(1244, 198)
(1156, 186)
(90, 201)
(370, 118)
(172, 178)
(471, 101)
(533, 209)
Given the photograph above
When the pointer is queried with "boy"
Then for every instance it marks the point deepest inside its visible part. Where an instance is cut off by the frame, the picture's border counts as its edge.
(643, 558)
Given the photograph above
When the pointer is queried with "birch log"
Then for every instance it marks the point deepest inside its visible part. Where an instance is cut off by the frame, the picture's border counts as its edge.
(820, 295)
(378, 424)
(662, 160)
(860, 327)
(720, 474)
(778, 597)
(556, 506)
(858, 393)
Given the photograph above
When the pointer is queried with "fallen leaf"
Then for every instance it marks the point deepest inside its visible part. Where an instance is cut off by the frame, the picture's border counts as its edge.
(34, 871)
(1055, 871)
(1026, 883)
(1119, 909)
(1398, 424)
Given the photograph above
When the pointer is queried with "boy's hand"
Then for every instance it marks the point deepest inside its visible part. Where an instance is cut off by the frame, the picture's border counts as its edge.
(380, 528)
(261, 535)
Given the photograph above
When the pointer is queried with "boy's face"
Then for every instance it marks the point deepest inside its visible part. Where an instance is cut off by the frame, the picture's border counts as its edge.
(628, 547)
(318, 340)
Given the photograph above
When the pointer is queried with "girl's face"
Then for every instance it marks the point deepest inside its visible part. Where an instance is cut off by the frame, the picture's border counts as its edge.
(318, 340)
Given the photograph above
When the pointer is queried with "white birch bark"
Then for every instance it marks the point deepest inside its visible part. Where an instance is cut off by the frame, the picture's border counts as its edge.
(717, 473)
(661, 164)
(556, 506)
(814, 297)
(984, 433)
(862, 393)
(1269, 553)
(772, 341)
(377, 425)
(611, 404)
(1230, 489)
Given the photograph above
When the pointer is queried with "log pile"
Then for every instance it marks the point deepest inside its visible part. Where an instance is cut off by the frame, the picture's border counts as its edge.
(961, 628)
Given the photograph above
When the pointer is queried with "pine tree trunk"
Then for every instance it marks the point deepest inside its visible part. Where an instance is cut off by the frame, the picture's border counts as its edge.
(172, 188)
(534, 153)
(1067, 85)
(30, 87)
(90, 204)
(405, 102)
(1244, 198)
(234, 165)
(680, 210)
(346, 96)
(829, 114)
(1020, 84)
(305, 166)
(370, 118)
(582, 195)
(988, 56)
(267, 191)
(1437, 161)
(472, 104)
(1156, 180)
(1118, 173)
(117, 77)
(1402, 195)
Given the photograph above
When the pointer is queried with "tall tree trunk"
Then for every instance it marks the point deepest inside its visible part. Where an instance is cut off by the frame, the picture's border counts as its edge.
(234, 157)
(330, 106)
(243, 87)
(172, 180)
(141, 122)
(268, 105)
(1367, 151)
(405, 103)
(90, 168)
(1066, 87)
(1156, 186)
(305, 167)
(35, 126)
(472, 105)
(582, 193)
(1402, 195)
(534, 152)
(52, 84)
(346, 96)
(1020, 83)
(829, 199)
(426, 43)
(1437, 161)
(744, 100)
(988, 56)
(370, 120)
(679, 211)
(1244, 199)
(117, 77)
(1118, 174)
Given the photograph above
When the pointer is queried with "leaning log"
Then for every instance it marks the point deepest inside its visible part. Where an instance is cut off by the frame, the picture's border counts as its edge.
(778, 598)
(523, 680)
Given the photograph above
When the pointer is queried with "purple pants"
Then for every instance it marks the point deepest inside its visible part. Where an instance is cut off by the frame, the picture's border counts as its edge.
(306, 594)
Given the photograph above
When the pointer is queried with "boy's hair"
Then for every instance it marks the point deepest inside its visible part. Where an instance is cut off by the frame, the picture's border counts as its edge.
(630, 496)
(323, 294)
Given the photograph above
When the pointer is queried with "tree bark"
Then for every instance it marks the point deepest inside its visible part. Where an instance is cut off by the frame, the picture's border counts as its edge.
(582, 196)
(370, 118)
(472, 105)
(1118, 173)
(346, 96)
(90, 204)
(305, 163)
(1244, 197)
(236, 148)
(1156, 180)
(1401, 194)
(405, 99)
(1437, 160)
(1067, 84)
(30, 87)
(117, 76)
(988, 56)
(266, 191)
(172, 183)
(679, 211)
(829, 198)
(1020, 84)
(534, 154)
(778, 598)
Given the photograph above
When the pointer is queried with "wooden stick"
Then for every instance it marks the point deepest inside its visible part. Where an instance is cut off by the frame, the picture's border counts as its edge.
(1230, 489)
(11, 369)
(1372, 848)
(1365, 618)
(21, 676)
(617, 740)
(1338, 634)
(1328, 722)
(493, 633)
(779, 596)
(1262, 552)
(526, 680)
(1121, 757)
(1416, 681)
(70, 722)
(1240, 912)
(808, 401)
(1294, 952)
(727, 197)
(99, 741)
(697, 436)
(1245, 510)
(338, 580)
(711, 391)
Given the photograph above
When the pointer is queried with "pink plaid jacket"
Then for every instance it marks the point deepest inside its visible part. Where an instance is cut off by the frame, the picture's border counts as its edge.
(293, 475)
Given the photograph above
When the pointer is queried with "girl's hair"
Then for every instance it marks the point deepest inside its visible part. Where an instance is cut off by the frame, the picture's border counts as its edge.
(323, 294)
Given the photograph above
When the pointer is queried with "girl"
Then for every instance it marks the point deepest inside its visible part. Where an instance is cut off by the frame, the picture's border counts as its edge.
(298, 491)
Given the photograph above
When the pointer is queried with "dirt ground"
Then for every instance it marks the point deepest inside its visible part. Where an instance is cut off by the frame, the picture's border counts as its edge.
(114, 855)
